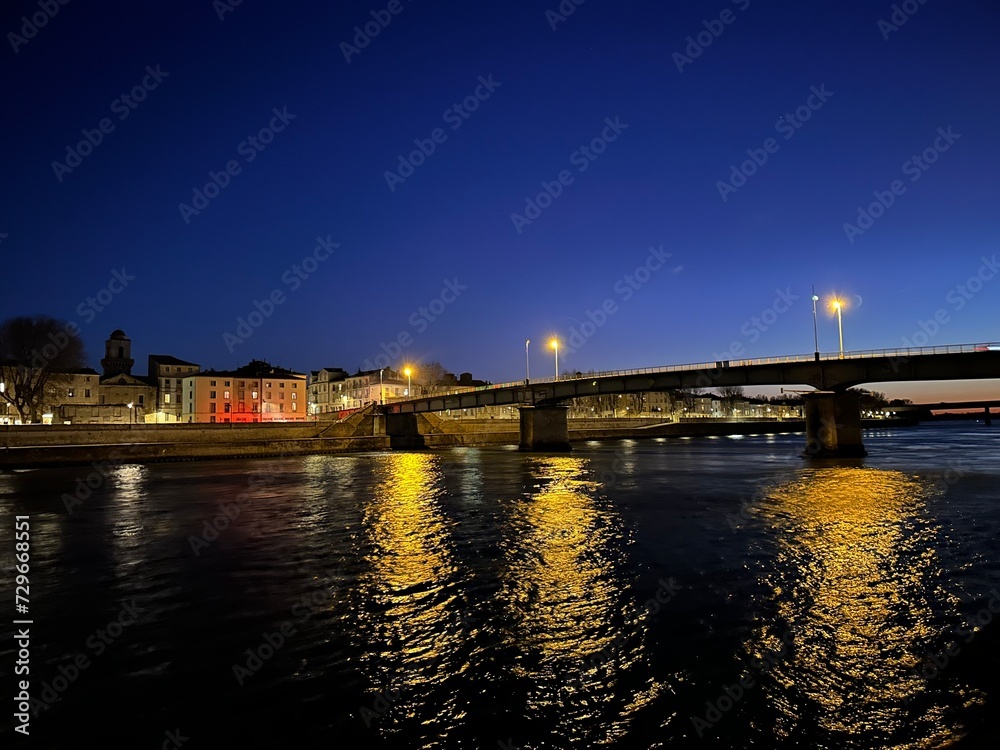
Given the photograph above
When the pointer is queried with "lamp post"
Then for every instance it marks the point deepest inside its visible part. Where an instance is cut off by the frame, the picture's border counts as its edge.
(527, 366)
(555, 345)
(815, 299)
(129, 405)
(409, 388)
(381, 392)
(838, 305)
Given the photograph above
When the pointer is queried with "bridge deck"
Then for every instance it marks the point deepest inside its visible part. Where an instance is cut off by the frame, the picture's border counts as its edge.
(828, 372)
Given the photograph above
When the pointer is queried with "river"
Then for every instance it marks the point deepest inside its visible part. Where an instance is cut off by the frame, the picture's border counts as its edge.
(632, 594)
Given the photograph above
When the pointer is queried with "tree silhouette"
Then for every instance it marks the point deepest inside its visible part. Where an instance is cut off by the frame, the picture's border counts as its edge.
(729, 395)
(36, 354)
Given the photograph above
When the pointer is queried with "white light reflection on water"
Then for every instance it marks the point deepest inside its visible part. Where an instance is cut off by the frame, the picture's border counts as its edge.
(129, 517)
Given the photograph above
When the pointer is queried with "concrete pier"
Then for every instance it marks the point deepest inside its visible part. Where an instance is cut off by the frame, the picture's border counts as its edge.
(833, 425)
(403, 431)
(544, 428)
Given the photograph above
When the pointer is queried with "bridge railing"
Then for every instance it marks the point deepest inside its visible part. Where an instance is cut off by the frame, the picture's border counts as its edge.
(787, 359)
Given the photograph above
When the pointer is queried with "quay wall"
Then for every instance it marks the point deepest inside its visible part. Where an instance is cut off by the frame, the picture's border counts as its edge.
(37, 447)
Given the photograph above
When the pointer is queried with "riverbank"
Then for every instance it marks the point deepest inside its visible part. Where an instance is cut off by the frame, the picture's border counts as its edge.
(66, 445)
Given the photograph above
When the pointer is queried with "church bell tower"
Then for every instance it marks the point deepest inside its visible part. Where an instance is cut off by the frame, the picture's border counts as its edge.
(117, 354)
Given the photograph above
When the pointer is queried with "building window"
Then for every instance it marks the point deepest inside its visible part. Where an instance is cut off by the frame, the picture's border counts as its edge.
(166, 398)
(142, 399)
(166, 369)
(211, 408)
(243, 407)
(267, 395)
(86, 391)
(294, 395)
(243, 384)
(253, 394)
(281, 395)
(255, 410)
(211, 382)
(281, 407)
(225, 394)
(281, 385)
(227, 384)
(212, 420)
(267, 385)
(294, 405)
(227, 408)
(211, 394)
(295, 385)
(243, 395)
(70, 393)
(102, 398)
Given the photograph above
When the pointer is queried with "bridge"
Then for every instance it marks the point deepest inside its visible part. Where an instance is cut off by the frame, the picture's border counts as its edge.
(833, 416)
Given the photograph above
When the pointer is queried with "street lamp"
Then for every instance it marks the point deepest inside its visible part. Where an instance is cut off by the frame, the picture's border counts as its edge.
(838, 305)
(129, 405)
(527, 367)
(409, 388)
(381, 393)
(554, 343)
(815, 299)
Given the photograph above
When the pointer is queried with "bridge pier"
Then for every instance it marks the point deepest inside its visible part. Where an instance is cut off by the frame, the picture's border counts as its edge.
(544, 428)
(403, 431)
(833, 425)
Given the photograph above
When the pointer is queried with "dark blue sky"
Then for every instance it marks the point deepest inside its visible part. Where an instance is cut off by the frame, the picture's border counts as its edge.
(551, 92)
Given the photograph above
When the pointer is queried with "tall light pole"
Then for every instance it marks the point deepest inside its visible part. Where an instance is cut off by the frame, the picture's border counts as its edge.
(838, 305)
(409, 386)
(815, 325)
(129, 405)
(381, 392)
(555, 345)
(527, 366)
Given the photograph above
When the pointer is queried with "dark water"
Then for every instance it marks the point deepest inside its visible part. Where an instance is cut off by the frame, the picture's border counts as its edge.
(485, 598)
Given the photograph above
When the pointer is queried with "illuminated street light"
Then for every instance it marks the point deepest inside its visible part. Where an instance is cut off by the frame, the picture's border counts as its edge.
(527, 367)
(129, 405)
(838, 306)
(554, 343)
(409, 388)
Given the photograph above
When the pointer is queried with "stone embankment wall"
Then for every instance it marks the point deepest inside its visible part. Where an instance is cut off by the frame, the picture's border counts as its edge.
(55, 445)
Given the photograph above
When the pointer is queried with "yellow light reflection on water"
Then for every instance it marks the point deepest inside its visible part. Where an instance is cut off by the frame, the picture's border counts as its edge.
(855, 570)
(562, 577)
(575, 626)
(407, 600)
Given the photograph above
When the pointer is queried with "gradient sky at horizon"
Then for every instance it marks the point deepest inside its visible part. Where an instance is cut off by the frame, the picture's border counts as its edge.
(740, 267)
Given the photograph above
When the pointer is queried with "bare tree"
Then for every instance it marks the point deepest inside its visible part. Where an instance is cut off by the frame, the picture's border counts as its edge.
(686, 396)
(636, 404)
(729, 395)
(35, 352)
(430, 373)
(870, 400)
